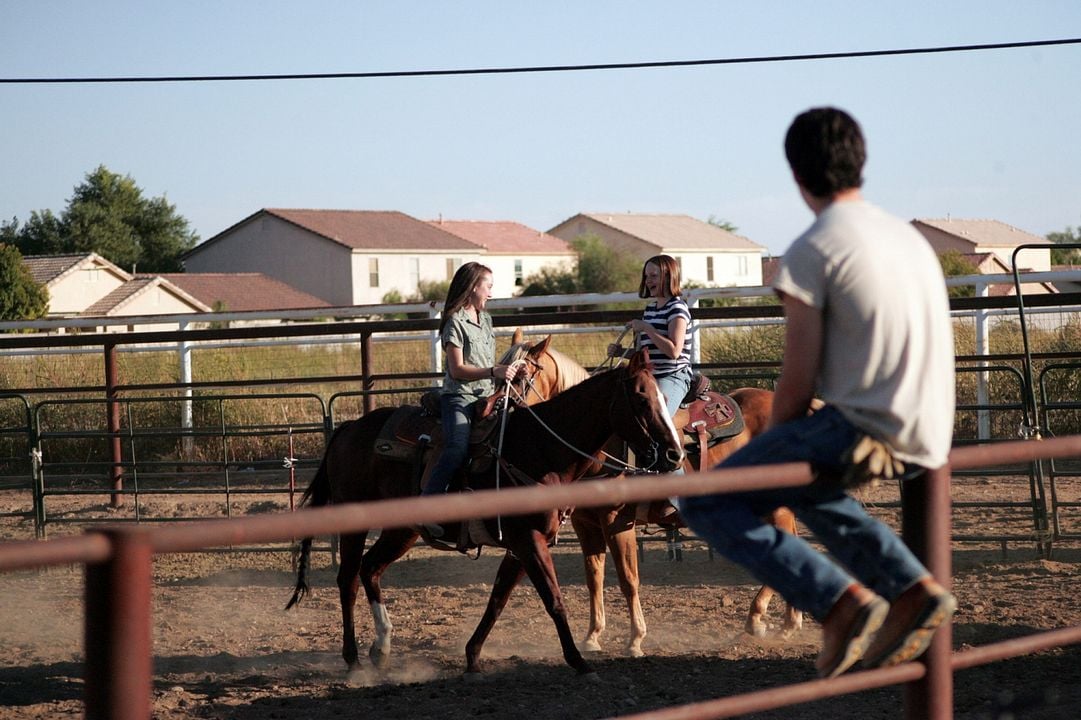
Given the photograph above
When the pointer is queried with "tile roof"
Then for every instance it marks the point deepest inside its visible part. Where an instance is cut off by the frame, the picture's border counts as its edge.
(502, 236)
(374, 230)
(990, 233)
(117, 297)
(675, 232)
(114, 301)
(47, 268)
(237, 292)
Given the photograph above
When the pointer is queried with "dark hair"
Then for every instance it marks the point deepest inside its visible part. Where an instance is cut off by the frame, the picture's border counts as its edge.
(669, 268)
(826, 151)
(461, 285)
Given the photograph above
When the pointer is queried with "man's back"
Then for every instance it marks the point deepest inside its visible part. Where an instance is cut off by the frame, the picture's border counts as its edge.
(888, 353)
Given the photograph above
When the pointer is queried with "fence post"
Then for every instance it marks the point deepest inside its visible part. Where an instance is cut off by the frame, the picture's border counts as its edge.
(187, 412)
(113, 424)
(366, 370)
(117, 636)
(925, 527)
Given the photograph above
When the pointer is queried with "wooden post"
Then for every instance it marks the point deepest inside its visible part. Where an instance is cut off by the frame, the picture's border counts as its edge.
(925, 526)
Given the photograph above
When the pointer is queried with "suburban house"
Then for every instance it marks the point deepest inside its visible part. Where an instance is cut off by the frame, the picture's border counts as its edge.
(88, 285)
(978, 237)
(708, 255)
(513, 251)
(344, 257)
(989, 245)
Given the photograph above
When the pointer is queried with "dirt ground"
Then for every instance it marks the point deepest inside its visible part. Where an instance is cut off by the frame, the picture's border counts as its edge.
(224, 647)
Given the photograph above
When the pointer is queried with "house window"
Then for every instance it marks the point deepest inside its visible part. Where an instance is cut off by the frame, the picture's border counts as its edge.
(373, 272)
(709, 268)
(452, 265)
(518, 272)
(741, 265)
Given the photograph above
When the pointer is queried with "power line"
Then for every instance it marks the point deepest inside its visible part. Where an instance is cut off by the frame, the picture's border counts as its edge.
(542, 68)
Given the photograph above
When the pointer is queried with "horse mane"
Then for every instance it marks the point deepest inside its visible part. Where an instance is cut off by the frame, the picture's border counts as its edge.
(569, 371)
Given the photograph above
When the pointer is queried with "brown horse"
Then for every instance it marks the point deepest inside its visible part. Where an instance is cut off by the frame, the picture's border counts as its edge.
(549, 443)
(614, 527)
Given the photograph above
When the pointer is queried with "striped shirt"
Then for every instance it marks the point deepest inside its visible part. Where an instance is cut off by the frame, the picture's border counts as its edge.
(659, 318)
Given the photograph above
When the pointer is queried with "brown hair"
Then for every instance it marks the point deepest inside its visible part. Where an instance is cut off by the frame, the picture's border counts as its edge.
(461, 285)
(669, 268)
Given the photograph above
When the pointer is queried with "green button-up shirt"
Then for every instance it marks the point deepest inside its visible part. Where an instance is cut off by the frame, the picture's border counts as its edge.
(477, 341)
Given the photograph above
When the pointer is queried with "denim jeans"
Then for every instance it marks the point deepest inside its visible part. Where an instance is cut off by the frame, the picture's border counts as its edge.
(862, 547)
(457, 422)
(675, 387)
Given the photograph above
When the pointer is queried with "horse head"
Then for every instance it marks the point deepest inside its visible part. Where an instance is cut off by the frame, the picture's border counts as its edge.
(640, 417)
(546, 373)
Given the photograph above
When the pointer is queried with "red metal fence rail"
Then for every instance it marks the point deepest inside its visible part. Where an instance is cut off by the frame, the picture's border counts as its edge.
(118, 560)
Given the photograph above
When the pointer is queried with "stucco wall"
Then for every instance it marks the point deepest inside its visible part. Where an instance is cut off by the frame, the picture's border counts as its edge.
(281, 250)
(80, 289)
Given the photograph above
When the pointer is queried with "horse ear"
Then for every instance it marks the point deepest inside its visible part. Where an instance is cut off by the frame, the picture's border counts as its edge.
(517, 337)
(540, 347)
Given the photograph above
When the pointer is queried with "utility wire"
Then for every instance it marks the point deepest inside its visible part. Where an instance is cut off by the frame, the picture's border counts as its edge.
(541, 68)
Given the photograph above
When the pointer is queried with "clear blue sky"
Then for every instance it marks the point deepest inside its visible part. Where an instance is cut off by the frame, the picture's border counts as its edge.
(990, 134)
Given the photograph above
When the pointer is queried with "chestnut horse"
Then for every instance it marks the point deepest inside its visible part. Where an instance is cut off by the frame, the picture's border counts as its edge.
(614, 527)
(552, 442)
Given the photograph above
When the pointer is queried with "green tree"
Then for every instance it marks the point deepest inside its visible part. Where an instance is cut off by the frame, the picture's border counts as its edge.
(429, 290)
(722, 224)
(21, 298)
(953, 265)
(1066, 256)
(603, 270)
(107, 214)
(550, 281)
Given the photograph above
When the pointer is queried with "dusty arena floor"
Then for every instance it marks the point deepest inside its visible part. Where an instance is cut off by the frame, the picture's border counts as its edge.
(225, 648)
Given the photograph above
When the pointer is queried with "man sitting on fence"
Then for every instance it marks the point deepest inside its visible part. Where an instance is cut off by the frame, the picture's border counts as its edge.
(868, 328)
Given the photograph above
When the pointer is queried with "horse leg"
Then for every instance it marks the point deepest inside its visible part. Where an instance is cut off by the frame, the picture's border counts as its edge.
(350, 549)
(591, 538)
(390, 546)
(506, 579)
(624, 547)
(784, 520)
(538, 565)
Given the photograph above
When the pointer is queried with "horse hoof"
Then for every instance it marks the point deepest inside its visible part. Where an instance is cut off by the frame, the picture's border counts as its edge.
(757, 629)
(591, 646)
(355, 676)
(635, 652)
(472, 676)
(379, 658)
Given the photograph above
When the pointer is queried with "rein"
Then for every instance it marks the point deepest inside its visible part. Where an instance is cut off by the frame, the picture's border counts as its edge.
(581, 453)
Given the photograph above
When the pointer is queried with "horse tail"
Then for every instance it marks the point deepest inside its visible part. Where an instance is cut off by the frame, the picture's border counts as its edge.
(303, 589)
(317, 495)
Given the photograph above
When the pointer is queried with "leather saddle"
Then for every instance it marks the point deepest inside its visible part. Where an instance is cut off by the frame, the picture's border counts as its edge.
(412, 430)
(711, 417)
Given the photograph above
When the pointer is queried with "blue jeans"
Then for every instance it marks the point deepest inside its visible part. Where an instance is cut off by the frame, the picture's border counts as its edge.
(675, 387)
(867, 548)
(457, 419)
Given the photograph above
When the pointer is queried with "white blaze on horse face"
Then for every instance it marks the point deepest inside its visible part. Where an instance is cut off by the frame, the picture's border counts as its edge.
(383, 628)
(673, 436)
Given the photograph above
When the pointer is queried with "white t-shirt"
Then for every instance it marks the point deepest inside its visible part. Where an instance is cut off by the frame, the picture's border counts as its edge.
(888, 355)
